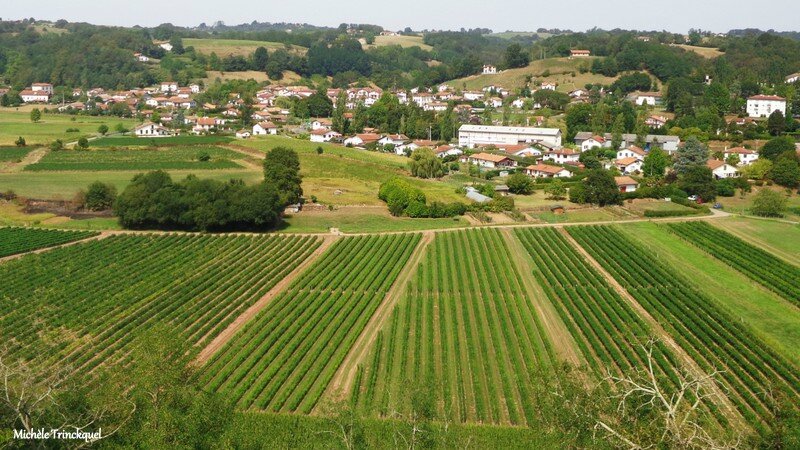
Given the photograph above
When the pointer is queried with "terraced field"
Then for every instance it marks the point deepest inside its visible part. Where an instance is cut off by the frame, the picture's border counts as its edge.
(771, 272)
(714, 339)
(168, 158)
(88, 304)
(14, 241)
(285, 357)
(466, 329)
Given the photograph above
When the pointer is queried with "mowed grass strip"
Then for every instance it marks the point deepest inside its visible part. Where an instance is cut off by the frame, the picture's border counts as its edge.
(14, 240)
(164, 158)
(465, 332)
(90, 303)
(285, 357)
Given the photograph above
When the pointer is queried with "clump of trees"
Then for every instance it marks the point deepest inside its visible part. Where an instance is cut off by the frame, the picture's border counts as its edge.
(425, 164)
(598, 188)
(403, 199)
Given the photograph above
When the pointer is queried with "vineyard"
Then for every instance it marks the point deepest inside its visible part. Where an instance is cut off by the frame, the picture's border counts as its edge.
(467, 331)
(22, 240)
(714, 339)
(88, 304)
(285, 357)
(761, 266)
(133, 141)
(13, 154)
(165, 158)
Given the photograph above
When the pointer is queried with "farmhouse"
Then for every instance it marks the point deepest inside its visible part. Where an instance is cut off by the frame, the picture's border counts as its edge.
(648, 98)
(264, 128)
(169, 86)
(746, 156)
(547, 171)
(362, 139)
(524, 150)
(474, 135)
(42, 87)
(764, 105)
(489, 69)
(793, 78)
(721, 169)
(31, 96)
(490, 161)
(150, 130)
(140, 57)
(549, 85)
(243, 134)
(323, 135)
(626, 184)
(579, 53)
(321, 124)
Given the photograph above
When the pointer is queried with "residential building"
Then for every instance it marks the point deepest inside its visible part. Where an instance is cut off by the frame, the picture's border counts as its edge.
(323, 135)
(361, 140)
(474, 135)
(547, 171)
(628, 165)
(490, 161)
(626, 184)
(746, 156)
(42, 87)
(721, 169)
(150, 130)
(765, 105)
(655, 121)
(667, 143)
(562, 156)
(632, 152)
(793, 78)
(444, 151)
(648, 98)
(549, 85)
(31, 96)
(489, 69)
(592, 142)
(579, 53)
(265, 128)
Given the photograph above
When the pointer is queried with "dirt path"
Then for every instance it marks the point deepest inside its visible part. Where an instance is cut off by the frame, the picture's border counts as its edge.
(102, 235)
(342, 382)
(223, 338)
(562, 340)
(659, 331)
(32, 157)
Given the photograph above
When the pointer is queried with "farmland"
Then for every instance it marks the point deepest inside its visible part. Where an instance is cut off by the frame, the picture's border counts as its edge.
(757, 264)
(284, 358)
(402, 41)
(780, 238)
(713, 338)
(17, 122)
(101, 296)
(238, 47)
(464, 329)
(168, 158)
(22, 240)
(133, 141)
(12, 154)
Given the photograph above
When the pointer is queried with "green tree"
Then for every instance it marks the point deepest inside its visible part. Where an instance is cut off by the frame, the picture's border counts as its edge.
(282, 169)
(776, 146)
(786, 171)
(757, 170)
(616, 132)
(556, 190)
(20, 142)
(102, 129)
(776, 123)
(655, 163)
(36, 115)
(83, 143)
(599, 188)
(519, 183)
(57, 145)
(698, 180)
(338, 121)
(260, 59)
(693, 153)
(425, 164)
(100, 196)
(769, 203)
(515, 56)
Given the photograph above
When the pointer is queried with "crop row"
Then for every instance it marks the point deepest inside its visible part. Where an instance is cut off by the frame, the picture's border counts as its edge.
(761, 266)
(14, 241)
(90, 303)
(465, 333)
(715, 340)
(285, 357)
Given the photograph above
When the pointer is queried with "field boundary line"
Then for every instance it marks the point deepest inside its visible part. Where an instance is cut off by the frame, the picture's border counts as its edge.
(227, 334)
(342, 382)
(102, 235)
(565, 346)
(689, 363)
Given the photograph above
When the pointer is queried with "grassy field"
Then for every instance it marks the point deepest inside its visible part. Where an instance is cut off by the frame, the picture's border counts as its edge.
(289, 77)
(742, 205)
(782, 239)
(16, 122)
(776, 321)
(577, 215)
(705, 52)
(402, 41)
(239, 47)
(133, 141)
(640, 206)
(166, 158)
(13, 154)
(348, 176)
(362, 220)
(560, 69)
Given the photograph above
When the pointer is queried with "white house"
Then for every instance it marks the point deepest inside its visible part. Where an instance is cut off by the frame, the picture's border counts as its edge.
(321, 124)
(546, 171)
(490, 161)
(746, 156)
(169, 86)
(579, 53)
(140, 57)
(150, 130)
(667, 143)
(764, 105)
(626, 184)
(31, 96)
(489, 69)
(166, 46)
(42, 87)
(243, 134)
(362, 139)
(648, 98)
(793, 78)
(721, 169)
(323, 135)
(632, 152)
(655, 121)
(474, 135)
(264, 128)
(195, 88)
(592, 142)
(562, 156)
(628, 165)
(471, 96)
(393, 139)
(549, 85)
(444, 151)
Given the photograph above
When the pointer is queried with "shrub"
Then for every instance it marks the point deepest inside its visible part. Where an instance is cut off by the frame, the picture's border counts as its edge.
(519, 183)
(99, 196)
(20, 142)
(203, 157)
(769, 203)
(83, 143)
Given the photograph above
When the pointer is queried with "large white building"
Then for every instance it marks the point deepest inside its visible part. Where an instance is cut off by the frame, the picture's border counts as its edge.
(475, 135)
(764, 105)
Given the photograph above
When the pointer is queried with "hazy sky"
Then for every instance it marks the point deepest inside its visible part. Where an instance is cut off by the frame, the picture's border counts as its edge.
(499, 15)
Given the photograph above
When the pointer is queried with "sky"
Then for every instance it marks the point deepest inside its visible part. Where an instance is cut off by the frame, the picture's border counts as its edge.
(498, 15)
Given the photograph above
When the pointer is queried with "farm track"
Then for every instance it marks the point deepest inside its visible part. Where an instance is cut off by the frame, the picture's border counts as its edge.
(226, 335)
(342, 382)
(563, 342)
(689, 363)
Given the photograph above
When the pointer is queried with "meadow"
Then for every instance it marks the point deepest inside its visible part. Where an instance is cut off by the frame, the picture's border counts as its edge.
(238, 47)
(16, 122)
(165, 158)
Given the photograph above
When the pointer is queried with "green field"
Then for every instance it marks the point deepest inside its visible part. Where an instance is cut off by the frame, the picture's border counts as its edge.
(284, 358)
(402, 41)
(13, 154)
(363, 220)
(23, 240)
(167, 158)
(101, 296)
(780, 238)
(465, 328)
(16, 122)
(133, 141)
(239, 47)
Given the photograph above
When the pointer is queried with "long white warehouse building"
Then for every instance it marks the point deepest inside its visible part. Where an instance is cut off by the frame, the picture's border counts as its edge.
(475, 135)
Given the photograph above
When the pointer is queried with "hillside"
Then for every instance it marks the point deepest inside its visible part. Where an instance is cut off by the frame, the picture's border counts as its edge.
(238, 47)
(402, 41)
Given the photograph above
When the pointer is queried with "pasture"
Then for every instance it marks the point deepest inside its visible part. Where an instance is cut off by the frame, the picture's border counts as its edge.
(237, 47)
(402, 41)
(16, 122)
(164, 158)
